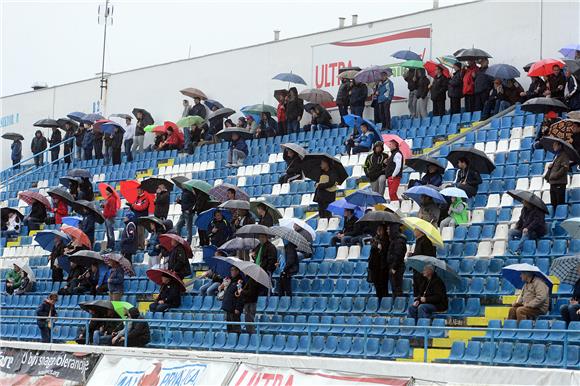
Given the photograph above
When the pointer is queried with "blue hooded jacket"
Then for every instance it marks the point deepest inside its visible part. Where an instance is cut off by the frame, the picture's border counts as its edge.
(240, 145)
(386, 91)
(88, 139)
(16, 151)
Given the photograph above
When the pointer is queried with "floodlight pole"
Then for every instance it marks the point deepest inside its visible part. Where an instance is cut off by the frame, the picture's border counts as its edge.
(103, 80)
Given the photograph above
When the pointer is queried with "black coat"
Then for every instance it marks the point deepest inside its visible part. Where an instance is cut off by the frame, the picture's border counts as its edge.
(470, 178)
(533, 219)
(351, 227)
(576, 292)
(358, 94)
(267, 220)
(396, 252)
(411, 79)
(55, 139)
(323, 118)
(422, 87)
(38, 211)
(294, 109)
(536, 89)
(292, 262)
(323, 196)
(178, 262)
(424, 247)
(117, 141)
(293, 166)
(482, 82)
(38, 144)
(222, 234)
(161, 204)
(455, 85)
(251, 291)
(232, 302)
(269, 256)
(45, 309)
(342, 94)
(139, 334)
(198, 110)
(170, 294)
(434, 292)
(187, 201)
(87, 225)
(439, 87)
(378, 258)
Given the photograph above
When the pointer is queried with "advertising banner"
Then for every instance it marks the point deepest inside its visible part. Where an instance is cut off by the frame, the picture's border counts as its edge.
(329, 58)
(271, 376)
(122, 371)
(63, 366)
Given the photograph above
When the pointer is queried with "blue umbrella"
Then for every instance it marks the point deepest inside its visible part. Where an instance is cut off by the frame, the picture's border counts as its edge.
(76, 116)
(91, 118)
(512, 274)
(355, 121)
(453, 192)
(416, 192)
(210, 103)
(338, 207)
(73, 221)
(109, 128)
(290, 77)
(446, 273)
(46, 238)
(204, 218)
(365, 198)
(220, 267)
(406, 55)
(64, 263)
(503, 71)
(256, 117)
(569, 51)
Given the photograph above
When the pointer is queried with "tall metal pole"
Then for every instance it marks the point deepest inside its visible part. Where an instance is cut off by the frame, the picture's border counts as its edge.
(104, 48)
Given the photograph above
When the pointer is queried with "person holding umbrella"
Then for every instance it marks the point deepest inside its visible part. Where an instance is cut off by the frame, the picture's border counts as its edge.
(45, 311)
(79, 136)
(265, 255)
(556, 84)
(264, 217)
(357, 96)
(342, 98)
(69, 131)
(557, 174)
(385, 94)
(169, 294)
(458, 213)
(430, 295)
(438, 90)
(219, 229)
(361, 143)
(429, 210)
(187, 201)
(571, 312)
(109, 213)
(73, 278)
(238, 150)
(143, 119)
(36, 217)
(469, 73)
(410, 76)
(174, 140)
(267, 127)
(232, 303)
(433, 177)
(129, 237)
(294, 111)
(572, 91)
(87, 224)
(13, 279)
(378, 272)
(88, 141)
(394, 169)
(162, 201)
(534, 299)
(467, 179)
(325, 189)
(530, 226)
(321, 119)
(140, 208)
(153, 246)
(16, 152)
(60, 209)
(86, 190)
(116, 144)
(116, 281)
(293, 166)
(482, 85)
(37, 146)
(138, 334)
(422, 93)
(455, 89)
(177, 259)
(249, 295)
(56, 253)
(55, 139)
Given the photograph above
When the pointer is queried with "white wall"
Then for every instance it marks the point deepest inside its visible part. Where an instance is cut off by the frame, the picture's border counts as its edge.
(510, 31)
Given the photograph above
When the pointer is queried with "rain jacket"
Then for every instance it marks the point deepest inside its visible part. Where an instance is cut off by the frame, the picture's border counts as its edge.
(558, 173)
(293, 167)
(374, 165)
(88, 140)
(533, 220)
(16, 154)
(222, 234)
(240, 145)
(556, 85)
(129, 238)
(535, 294)
(178, 262)
(468, 80)
(45, 309)
(397, 251)
(60, 211)
(170, 294)
(55, 139)
(422, 87)
(365, 140)
(323, 118)
(38, 212)
(459, 212)
(424, 246)
(187, 201)
(291, 258)
(38, 144)
(116, 280)
(162, 204)
(434, 292)
(87, 225)
(175, 140)
(342, 94)
(267, 258)
(141, 206)
(439, 87)
(326, 190)
(435, 179)
(455, 86)
(110, 208)
(16, 278)
(294, 109)
(198, 109)
(358, 94)
(386, 91)
(231, 302)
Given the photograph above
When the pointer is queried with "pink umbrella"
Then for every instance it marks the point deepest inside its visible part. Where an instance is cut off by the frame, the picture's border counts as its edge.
(403, 146)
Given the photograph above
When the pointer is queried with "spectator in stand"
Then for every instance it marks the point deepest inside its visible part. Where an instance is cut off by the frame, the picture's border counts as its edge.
(294, 111)
(289, 267)
(482, 85)
(79, 138)
(431, 297)
(36, 217)
(229, 123)
(57, 252)
(86, 190)
(571, 312)
(434, 177)
(38, 145)
(536, 89)
(351, 233)
(469, 73)
(129, 237)
(357, 97)
(162, 201)
(374, 168)
(98, 144)
(572, 93)
(197, 109)
(88, 281)
(265, 255)
(293, 167)
(241, 217)
(378, 272)
(169, 295)
(557, 176)
(60, 209)
(219, 229)
(75, 274)
(140, 208)
(216, 124)
(342, 98)
(177, 260)
(556, 84)
(242, 122)
(232, 303)
(510, 96)
(13, 279)
(264, 217)
(153, 246)
(158, 140)
(394, 169)
(281, 113)
(396, 252)
(109, 213)
(138, 334)
(16, 153)
(438, 90)
(249, 295)
(429, 210)
(251, 124)
(139, 139)
(361, 143)
(187, 202)
(116, 144)
(102, 332)
(88, 142)
(26, 285)
(530, 226)
(422, 94)
(325, 192)
(87, 224)
(238, 151)
(410, 77)
(534, 299)
(423, 246)
(128, 138)
(68, 146)
(550, 118)
(55, 139)
(467, 179)
(321, 119)
(45, 311)
(174, 140)
(385, 94)
(211, 288)
(458, 213)
(116, 281)
(455, 89)
(267, 127)
(11, 225)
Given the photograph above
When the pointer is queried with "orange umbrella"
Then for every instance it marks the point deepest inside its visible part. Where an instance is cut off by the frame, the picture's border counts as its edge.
(430, 66)
(194, 93)
(104, 192)
(129, 191)
(165, 241)
(77, 235)
(545, 67)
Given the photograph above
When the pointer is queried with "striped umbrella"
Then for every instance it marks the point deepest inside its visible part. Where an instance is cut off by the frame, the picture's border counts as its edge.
(165, 241)
(124, 263)
(220, 192)
(235, 204)
(566, 269)
(30, 197)
(77, 235)
(290, 235)
(316, 95)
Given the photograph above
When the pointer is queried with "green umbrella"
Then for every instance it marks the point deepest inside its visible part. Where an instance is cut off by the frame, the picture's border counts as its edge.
(274, 212)
(120, 307)
(149, 128)
(412, 64)
(260, 108)
(191, 120)
(197, 185)
(448, 60)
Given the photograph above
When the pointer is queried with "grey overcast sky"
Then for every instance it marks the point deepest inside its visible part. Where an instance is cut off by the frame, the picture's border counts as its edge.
(60, 41)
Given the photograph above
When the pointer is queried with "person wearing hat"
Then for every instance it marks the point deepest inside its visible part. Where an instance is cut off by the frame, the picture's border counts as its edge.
(169, 295)
(326, 188)
(129, 237)
(128, 138)
(294, 111)
(385, 93)
(394, 169)
(37, 146)
(439, 91)
(430, 297)
(16, 153)
(361, 143)
(357, 97)
(455, 89)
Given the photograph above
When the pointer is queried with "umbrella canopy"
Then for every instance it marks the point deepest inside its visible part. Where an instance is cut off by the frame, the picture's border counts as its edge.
(61, 194)
(73, 221)
(180, 180)
(447, 60)
(128, 190)
(309, 106)
(104, 188)
(250, 269)
(565, 268)
(86, 258)
(13, 136)
(453, 192)
(543, 105)
(226, 134)
(548, 144)
(372, 74)
(92, 118)
(204, 219)
(239, 244)
(281, 93)
(151, 184)
(365, 197)
(478, 160)
(503, 71)
(349, 74)
(155, 275)
(416, 192)
(108, 127)
(210, 103)
(379, 216)
(80, 173)
(90, 206)
(220, 192)
(197, 186)
(76, 116)
(415, 64)
(47, 238)
(545, 67)
(426, 228)
(68, 180)
(77, 235)
(166, 240)
(190, 120)
(471, 54)
(422, 163)
(26, 268)
(295, 148)
(259, 109)
(573, 66)
(5, 212)
(572, 226)
(290, 235)
(235, 204)
(512, 274)
(290, 77)
(564, 129)
(355, 121)
(224, 112)
(529, 197)
(30, 197)
(253, 231)
(431, 68)
(193, 93)
(121, 115)
(101, 306)
(337, 208)
(270, 208)
(311, 166)
(291, 222)
(121, 308)
(123, 262)
(403, 146)
(445, 272)
(147, 118)
(316, 95)
(146, 221)
(406, 55)
(46, 123)
(570, 50)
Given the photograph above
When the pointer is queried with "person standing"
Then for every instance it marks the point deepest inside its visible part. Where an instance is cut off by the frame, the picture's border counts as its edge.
(422, 93)
(249, 296)
(294, 111)
(109, 213)
(357, 97)
(79, 137)
(16, 154)
(46, 310)
(139, 139)
(342, 97)
(374, 168)
(98, 143)
(60, 209)
(88, 140)
(116, 281)
(439, 92)
(232, 303)
(140, 208)
(469, 86)
(410, 77)
(161, 202)
(325, 192)
(87, 224)
(572, 93)
(187, 202)
(128, 138)
(69, 142)
(55, 139)
(571, 312)
(108, 140)
(116, 144)
(265, 255)
(557, 176)
(38, 145)
(394, 170)
(482, 85)
(455, 89)
(281, 113)
(396, 252)
(377, 266)
(289, 268)
(129, 237)
(385, 94)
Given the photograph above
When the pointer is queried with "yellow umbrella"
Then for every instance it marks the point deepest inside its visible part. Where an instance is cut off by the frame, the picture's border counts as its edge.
(428, 229)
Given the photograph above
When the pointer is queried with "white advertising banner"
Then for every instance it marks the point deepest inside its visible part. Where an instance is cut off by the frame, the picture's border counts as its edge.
(123, 371)
(278, 376)
(329, 58)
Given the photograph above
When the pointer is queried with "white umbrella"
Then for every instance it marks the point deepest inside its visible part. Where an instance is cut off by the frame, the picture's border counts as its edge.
(512, 274)
(250, 269)
(290, 222)
(26, 268)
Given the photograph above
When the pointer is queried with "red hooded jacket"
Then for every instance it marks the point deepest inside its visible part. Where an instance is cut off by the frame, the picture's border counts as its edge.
(60, 211)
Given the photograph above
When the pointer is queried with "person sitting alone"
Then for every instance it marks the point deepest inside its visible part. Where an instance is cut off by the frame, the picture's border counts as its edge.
(351, 232)
(238, 151)
(571, 312)
(458, 213)
(26, 285)
(429, 210)
(293, 167)
(533, 301)
(432, 295)
(264, 217)
(361, 143)
(169, 295)
(434, 176)
(13, 279)
(530, 226)
(11, 226)
(467, 179)
(36, 217)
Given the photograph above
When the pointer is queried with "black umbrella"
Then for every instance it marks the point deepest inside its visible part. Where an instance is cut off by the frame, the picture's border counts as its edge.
(67, 180)
(97, 305)
(235, 204)
(86, 258)
(84, 204)
(63, 121)
(145, 221)
(478, 160)
(543, 105)
(4, 212)
(528, 66)
(46, 123)
(179, 181)
(309, 106)
(529, 197)
(123, 116)
(343, 69)
(62, 194)
(80, 173)
(548, 145)
(573, 66)
(421, 164)
(378, 216)
(226, 134)
(472, 54)
(224, 112)
(147, 118)
(281, 92)
(13, 136)
(311, 166)
(253, 231)
(295, 148)
(458, 52)
(150, 184)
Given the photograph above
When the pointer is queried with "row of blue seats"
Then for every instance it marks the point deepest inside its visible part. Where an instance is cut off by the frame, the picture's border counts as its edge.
(407, 122)
(512, 330)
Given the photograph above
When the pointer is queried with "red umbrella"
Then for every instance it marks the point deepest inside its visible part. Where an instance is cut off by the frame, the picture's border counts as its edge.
(129, 191)
(97, 125)
(77, 235)
(430, 66)
(123, 262)
(403, 146)
(29, 197)
(160, 129)
(545, 67)
(103, 189)
(165, 241)
(168, 124)
(155, 275)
